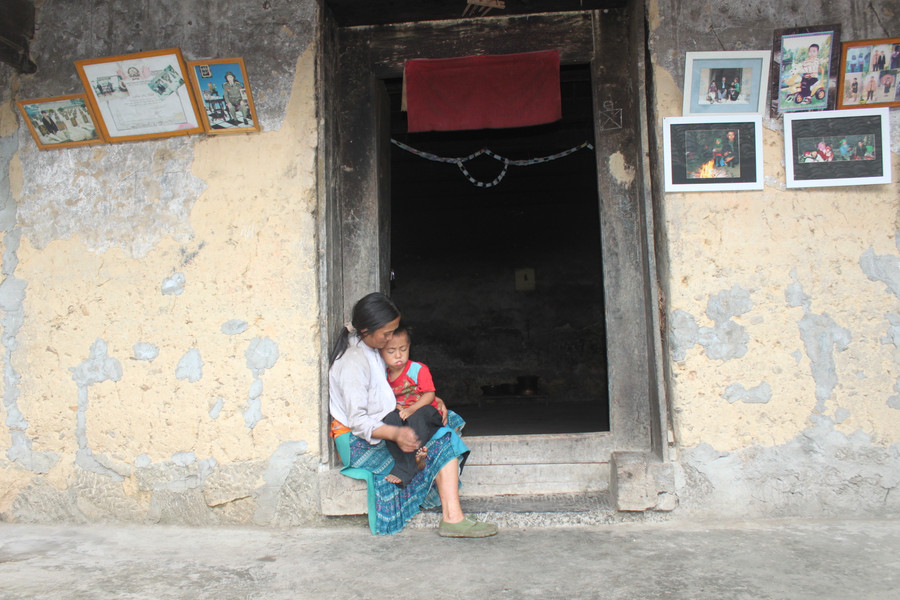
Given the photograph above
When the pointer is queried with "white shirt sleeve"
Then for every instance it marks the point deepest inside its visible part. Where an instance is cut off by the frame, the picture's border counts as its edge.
(360, 395)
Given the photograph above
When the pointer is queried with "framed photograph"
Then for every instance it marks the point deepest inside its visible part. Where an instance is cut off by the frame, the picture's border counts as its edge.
(140, 96)
(726, 82)
(870, 73)
(713, 153)
(837, 147)
(60, 122)
(223, 89)
(805, 62)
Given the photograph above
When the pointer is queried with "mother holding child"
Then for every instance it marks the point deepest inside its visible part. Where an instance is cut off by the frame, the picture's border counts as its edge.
(409, 441)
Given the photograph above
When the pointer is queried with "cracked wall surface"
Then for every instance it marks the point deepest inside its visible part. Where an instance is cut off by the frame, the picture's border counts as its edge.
(783, 305)
(160, 336)
(160, 325)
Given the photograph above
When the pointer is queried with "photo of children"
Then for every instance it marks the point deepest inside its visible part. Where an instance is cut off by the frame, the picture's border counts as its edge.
(712, 153)
(834, 148)
(804, 71)
(726, 86)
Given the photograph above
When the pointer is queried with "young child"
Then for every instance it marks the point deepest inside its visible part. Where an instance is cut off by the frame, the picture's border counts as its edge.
(719, 153)
(417, 406)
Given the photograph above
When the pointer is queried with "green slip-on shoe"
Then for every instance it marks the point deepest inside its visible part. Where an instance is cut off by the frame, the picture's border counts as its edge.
(467, 528)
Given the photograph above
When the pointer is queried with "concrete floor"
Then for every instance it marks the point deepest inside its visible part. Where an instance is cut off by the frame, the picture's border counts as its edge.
(794, 560)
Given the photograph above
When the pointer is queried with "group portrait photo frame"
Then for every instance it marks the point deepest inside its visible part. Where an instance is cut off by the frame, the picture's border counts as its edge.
(870, 74)
(726, 82)
(61, 121)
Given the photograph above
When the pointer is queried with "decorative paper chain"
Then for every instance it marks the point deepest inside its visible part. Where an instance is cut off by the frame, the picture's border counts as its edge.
(460, 160)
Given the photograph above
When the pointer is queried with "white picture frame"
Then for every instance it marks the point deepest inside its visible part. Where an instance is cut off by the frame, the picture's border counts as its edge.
(703, 71)
(824, 133)
(690, 144)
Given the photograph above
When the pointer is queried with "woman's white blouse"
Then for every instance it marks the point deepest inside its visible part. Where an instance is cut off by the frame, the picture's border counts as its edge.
(360, 395)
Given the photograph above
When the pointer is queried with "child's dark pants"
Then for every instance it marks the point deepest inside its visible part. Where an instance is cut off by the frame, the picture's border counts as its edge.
(425, 422)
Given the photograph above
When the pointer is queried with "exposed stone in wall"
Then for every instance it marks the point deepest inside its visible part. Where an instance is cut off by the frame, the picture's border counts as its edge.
(279, 492)
(12, 294)
(802, 422)
(822, 337)
(109, 196)
(726, 339)
(145, 351)
(755, 395)
(190, 367)
(820, 472)
(788, 407)
(41, 502)
(102, 498)
(192, 263)
(116, 195)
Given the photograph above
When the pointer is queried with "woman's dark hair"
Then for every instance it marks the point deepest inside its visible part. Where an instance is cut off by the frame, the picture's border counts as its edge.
(370, 313)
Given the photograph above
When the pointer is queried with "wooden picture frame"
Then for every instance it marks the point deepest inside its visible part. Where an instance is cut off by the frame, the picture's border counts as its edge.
(226, 106)
(61, 121)
(814, 148)
(803, 80)
(713, 153)
(869, 73)
(745, 75)
(140, 96)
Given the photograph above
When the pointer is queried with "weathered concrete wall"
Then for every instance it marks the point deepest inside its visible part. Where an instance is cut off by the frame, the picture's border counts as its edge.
(159, 320)
(782, 304)
(160, 330)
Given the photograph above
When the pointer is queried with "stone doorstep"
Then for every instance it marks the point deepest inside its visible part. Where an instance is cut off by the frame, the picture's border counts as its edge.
(525, 467)
(637, 482)
(483, 485)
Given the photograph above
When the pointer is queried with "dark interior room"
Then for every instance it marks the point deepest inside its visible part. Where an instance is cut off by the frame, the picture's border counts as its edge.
(502, 283)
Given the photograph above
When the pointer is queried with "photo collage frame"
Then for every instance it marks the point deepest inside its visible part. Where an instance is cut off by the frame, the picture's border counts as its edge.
(833, 97)
(144, 95)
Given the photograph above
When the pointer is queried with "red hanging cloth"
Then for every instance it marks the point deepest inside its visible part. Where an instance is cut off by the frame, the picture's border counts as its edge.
(483, 92)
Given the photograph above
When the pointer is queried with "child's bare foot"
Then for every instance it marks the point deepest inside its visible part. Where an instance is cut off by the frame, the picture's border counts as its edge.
(393, 479)
(421, 456)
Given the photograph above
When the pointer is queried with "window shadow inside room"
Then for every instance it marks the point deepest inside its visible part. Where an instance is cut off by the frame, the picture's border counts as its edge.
(503, 284)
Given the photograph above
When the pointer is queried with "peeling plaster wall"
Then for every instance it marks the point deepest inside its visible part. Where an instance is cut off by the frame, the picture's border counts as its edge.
(160, 341)
(783, 305)
(159, 318)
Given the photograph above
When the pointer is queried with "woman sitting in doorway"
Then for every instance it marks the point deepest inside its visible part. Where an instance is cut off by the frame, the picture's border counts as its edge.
(360, 398)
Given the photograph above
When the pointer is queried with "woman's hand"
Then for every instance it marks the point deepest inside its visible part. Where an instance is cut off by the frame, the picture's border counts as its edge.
(407, 439)
(442, 408)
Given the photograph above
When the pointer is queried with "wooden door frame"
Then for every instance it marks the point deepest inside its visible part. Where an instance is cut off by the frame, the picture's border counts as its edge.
(355, 153)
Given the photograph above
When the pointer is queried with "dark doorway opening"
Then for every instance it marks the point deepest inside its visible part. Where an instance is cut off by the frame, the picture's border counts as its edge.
(503, 284)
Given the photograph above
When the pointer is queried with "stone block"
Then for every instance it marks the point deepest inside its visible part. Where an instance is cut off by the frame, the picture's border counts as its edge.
(639, 481)
(228, 483)
(181, 507)
(295, 504)
(631, 483)
(100, 497)
(40, 502)
(341, 495)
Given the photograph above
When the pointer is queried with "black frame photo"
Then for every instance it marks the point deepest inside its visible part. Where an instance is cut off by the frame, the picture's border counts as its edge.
(713, 153)
(838, 147)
